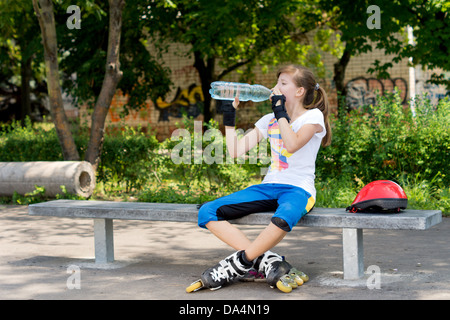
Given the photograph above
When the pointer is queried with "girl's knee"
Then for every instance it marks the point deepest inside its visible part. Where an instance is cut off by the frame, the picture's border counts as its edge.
(206, 214)
(281, 223)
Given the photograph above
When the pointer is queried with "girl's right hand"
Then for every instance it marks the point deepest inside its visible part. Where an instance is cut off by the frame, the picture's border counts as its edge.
(236, 101)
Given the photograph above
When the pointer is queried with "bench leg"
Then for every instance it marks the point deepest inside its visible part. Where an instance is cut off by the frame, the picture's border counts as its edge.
(104, 242)
(352, 240)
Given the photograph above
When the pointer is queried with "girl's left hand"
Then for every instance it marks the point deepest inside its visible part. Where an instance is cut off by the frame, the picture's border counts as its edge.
(276, 92)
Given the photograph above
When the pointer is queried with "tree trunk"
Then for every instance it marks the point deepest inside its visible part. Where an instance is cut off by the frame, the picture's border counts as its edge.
(44, 13)
(25, 90)
(206, 74)
(339, 76)
(113, 74)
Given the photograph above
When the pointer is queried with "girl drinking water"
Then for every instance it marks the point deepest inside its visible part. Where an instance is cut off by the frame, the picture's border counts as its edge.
(296, 129)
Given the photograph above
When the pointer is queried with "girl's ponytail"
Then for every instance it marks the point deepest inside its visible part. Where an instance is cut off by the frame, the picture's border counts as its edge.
(315, 96)
(321, 103)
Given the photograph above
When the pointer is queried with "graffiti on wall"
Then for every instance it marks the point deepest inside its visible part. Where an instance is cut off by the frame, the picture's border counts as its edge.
(116, 114)
(432, 91)
(363, 91)
(187, 101)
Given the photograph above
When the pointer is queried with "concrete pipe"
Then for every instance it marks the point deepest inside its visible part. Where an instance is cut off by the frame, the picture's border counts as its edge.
(77, 176)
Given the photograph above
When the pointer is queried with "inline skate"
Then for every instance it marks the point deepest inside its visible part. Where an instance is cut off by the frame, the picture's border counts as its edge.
(278, 272)
(224, 272)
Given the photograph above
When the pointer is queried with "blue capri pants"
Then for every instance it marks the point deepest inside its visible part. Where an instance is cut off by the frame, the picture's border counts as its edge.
(290, 204)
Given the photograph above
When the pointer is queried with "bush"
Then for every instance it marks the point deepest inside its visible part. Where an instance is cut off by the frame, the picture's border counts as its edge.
(28, 143)
(387, 142)
(127, 158)
(201, 181)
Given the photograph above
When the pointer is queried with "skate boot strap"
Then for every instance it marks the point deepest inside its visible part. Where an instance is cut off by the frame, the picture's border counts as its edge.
(219, 273)
(256, 274)
(264, 263)
(225, 271)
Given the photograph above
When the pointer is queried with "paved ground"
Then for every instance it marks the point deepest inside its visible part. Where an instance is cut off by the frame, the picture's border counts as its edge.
(157, 260)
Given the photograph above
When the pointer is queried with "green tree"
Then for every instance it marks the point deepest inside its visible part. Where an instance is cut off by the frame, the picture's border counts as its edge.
(45, 15)
(79, 57)
(19, 47)
(224, 36)
(84, 52)
(429, 19)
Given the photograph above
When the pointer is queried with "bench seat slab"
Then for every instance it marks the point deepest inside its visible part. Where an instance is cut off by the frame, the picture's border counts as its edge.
(318, 217)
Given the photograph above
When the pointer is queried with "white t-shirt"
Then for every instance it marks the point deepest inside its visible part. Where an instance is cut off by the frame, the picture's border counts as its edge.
(296, 169)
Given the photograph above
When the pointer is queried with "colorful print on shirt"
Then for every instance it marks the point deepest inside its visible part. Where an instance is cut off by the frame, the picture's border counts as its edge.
(279, 154)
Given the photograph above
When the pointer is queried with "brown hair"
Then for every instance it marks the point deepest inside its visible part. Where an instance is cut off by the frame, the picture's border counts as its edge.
(313, 98)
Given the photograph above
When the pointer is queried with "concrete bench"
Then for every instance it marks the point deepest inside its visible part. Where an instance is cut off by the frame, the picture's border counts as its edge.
(104, 212)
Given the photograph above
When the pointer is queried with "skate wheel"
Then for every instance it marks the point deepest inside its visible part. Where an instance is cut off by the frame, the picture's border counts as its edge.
(299, 275)
(297, 279)
(286, 283)
(282, 286)
(304, 277)
(194, 286)
(293, 283)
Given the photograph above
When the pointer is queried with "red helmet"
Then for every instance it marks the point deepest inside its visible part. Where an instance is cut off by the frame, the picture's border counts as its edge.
(380, 196)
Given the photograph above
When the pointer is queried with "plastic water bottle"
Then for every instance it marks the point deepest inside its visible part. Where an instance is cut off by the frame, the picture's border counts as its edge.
(222, 90)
